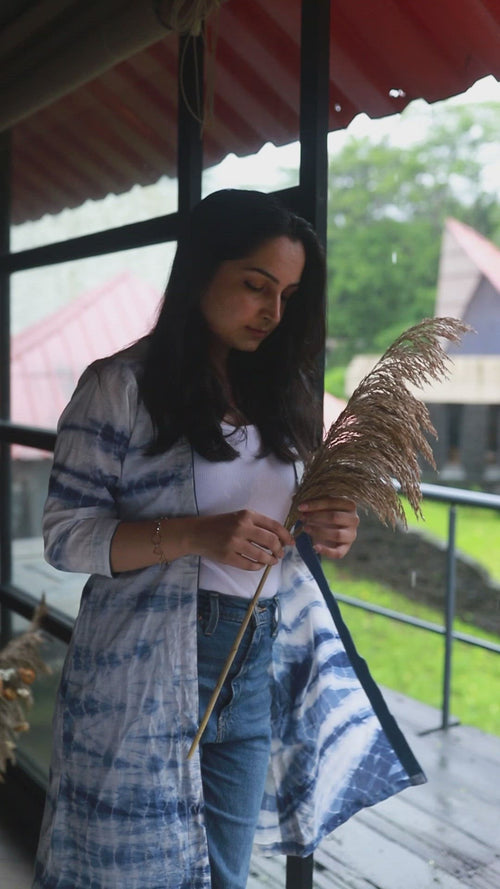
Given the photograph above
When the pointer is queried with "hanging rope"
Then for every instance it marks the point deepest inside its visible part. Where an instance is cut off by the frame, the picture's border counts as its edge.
(191, 18)
(185, 16)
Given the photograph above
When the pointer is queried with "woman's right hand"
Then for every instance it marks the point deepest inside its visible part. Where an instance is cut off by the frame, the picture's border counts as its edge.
(243, 539)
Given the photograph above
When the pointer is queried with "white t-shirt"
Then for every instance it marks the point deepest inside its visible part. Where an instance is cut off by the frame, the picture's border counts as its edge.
(263, 484)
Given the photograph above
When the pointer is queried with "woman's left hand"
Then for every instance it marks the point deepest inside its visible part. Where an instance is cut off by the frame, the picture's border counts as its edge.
(332, 524)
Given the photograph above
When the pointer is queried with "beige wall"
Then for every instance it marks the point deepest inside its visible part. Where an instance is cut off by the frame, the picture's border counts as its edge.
(473, 379)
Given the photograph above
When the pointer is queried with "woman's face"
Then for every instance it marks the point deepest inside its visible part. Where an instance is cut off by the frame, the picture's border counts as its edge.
(246, 298)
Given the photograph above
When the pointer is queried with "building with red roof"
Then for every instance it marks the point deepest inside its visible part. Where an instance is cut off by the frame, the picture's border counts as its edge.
(49, 356)
(465, 408)
(47, 360)
(469, 287)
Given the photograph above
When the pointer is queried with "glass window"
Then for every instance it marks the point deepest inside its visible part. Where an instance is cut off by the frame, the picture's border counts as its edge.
(30, 571)
(99, 305)
(63, 318)
(493, 434)
(103, 156)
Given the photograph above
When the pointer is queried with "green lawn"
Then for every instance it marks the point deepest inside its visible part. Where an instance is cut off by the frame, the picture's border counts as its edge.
(335, 381)
(410, 660)
(477, 531)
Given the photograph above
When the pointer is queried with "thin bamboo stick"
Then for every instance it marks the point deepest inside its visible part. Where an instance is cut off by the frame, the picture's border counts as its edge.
(227, 666)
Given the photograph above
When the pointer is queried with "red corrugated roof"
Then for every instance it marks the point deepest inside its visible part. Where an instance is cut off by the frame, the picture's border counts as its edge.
(120, 129)
(483, 253)
(49, 356)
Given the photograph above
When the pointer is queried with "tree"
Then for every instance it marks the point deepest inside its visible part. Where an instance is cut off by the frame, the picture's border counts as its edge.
(387, 207)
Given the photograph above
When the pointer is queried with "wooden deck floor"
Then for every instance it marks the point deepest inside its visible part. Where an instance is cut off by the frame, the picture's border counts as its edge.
(442, 835)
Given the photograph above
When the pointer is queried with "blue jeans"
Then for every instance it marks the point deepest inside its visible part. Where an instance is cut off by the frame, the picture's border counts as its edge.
(236, 743)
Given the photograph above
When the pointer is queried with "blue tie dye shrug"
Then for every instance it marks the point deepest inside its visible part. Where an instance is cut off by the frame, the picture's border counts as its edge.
(124, 806)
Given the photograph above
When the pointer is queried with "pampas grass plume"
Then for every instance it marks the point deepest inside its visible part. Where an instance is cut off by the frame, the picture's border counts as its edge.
(381, 432)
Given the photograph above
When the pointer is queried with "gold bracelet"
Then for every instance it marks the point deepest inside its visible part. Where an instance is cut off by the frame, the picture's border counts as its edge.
(156, 540)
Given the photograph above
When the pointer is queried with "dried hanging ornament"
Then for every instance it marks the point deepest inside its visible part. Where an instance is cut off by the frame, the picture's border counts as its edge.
(20, 663)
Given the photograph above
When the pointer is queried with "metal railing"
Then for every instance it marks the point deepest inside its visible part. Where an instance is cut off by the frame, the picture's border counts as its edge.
(453, 497)
(299, 872)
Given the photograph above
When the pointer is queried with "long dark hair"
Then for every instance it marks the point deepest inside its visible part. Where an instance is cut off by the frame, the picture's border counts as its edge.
(274, 386)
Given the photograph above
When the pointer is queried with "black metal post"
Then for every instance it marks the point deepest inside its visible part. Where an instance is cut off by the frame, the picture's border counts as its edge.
(314, 116)
(314, 112)
(313, 197)
(190, 115)
(5, 470)
(299, 872)
(449, 615)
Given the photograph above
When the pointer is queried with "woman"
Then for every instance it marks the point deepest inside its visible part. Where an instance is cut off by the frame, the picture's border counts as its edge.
(175, 463)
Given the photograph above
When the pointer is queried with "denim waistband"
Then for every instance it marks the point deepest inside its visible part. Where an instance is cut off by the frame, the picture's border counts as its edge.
(234, 608)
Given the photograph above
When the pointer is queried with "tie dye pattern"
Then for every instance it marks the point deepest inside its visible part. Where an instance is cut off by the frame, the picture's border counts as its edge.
(124, 806)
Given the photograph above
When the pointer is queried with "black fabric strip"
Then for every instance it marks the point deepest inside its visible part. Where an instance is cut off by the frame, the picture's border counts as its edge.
(389, 724)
